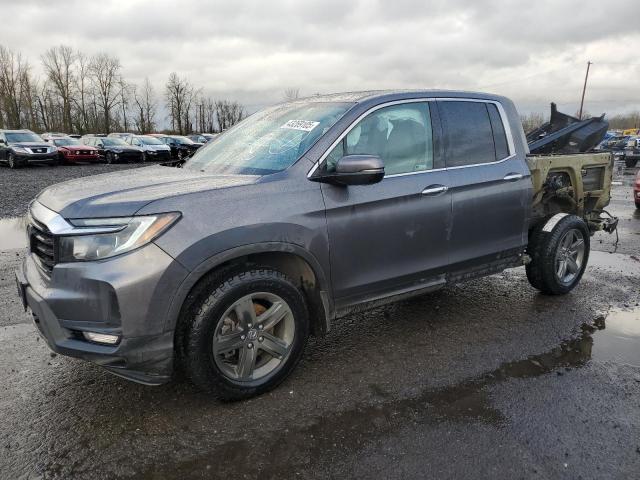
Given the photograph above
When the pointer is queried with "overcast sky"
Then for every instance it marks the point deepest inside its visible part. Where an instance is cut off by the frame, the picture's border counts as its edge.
(533, 51)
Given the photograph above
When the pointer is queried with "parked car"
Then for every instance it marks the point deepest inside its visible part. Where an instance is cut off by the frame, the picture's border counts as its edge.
(181, 147)
(152, 148)
(114, 150)
(48, 136)
(636, 190)
(202, 138)
(121, 135)
(305, 212)
(92, 135)
(19, 148)
(632, 152)
(70, 150)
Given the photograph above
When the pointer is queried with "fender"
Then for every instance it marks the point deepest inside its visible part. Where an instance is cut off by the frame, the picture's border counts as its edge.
(264, 247)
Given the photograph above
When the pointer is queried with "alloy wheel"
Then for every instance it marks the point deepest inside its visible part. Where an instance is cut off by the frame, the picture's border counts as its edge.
(254, 337)
(569, 256)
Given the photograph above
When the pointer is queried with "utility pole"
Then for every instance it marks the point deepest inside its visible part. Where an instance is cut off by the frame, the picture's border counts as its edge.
(584, 89)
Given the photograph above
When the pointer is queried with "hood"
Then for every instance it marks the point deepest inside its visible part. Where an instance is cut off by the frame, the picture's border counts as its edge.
(122, 148)
(123, 193)
(30, 144)
(73, 148)
(154, 148)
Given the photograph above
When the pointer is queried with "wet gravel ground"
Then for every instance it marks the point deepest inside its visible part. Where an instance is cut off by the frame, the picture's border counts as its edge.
(487, 379)
(19, 186)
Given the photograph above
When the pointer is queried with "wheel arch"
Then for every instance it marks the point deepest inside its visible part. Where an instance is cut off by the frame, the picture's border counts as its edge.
(294, 261)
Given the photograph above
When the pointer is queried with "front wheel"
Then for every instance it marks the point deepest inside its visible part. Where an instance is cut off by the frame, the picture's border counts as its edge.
(559, 251)
(245, 334)
(109, 158)
(13, 163)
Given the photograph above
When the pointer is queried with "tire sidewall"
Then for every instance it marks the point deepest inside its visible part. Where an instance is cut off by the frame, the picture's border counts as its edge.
(202, 365)
(548, 248)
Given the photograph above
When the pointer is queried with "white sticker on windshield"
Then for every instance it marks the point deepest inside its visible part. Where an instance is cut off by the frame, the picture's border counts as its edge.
(304, 125)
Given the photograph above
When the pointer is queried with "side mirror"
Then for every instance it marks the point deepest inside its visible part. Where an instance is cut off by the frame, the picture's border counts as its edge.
(355, 170)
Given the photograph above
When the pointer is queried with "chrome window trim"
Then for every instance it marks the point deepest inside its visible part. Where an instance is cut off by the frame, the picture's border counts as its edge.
(501, 112)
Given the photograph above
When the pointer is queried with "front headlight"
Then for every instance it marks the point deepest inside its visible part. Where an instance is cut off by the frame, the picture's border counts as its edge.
(19, 149)
(124, 235)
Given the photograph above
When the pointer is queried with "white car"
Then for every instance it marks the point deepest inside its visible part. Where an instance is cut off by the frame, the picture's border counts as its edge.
(153, 148)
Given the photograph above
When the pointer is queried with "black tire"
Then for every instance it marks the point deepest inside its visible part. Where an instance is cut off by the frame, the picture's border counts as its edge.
(109, 158)
(13, 163)
(144, 158)
(638, 205)
(204, 311)
(544, 248)
(630, 162)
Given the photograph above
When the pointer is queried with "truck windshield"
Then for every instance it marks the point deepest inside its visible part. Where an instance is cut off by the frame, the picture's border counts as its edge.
(268, 141)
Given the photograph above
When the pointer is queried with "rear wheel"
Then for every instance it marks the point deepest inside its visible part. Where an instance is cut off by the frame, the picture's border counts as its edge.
(245, 335)
(559, 251)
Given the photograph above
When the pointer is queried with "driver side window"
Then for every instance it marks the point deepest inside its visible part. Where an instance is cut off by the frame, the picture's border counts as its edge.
(399, 134)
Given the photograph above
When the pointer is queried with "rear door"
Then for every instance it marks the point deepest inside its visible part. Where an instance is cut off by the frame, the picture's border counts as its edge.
(490, 184)
(390, 237)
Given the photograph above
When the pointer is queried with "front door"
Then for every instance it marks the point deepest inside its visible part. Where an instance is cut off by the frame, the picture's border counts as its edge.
(391, 237)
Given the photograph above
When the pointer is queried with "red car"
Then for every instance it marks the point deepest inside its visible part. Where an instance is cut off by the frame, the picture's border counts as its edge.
(71, 150)
(636, 190)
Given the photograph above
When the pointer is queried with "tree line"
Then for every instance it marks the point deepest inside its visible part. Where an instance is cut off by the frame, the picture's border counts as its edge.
(79, 93)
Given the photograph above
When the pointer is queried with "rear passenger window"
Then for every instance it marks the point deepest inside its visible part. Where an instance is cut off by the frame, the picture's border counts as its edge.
(499, 135)
(468, 137)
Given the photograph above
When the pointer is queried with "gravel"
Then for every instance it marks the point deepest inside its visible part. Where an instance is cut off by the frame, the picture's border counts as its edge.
(19, 187)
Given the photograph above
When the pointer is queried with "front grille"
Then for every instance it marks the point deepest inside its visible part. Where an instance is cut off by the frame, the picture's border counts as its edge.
(130, 155)
(38, 150)
(42, 245)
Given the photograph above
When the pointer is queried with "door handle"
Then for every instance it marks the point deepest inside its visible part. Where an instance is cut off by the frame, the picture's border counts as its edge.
(512, 177)
(434, 190)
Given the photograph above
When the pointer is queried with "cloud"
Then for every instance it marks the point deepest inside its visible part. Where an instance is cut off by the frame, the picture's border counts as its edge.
(534, 52)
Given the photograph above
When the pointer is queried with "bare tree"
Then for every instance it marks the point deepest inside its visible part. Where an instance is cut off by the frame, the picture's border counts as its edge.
(105, 76)
(291, 94)
(15, 88)
(125, 95)
(228, 113)
(58, 63)
(82, 88)
(145, 107)
(531, 121)
(179, 94)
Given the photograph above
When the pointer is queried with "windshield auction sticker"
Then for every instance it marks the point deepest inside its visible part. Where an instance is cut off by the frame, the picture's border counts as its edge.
(304, 125)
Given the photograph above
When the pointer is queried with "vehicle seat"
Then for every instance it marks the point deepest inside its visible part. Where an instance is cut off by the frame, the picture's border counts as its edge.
(406, 147)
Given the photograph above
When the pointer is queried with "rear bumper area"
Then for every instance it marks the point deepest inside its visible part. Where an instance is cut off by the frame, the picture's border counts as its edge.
(107, 298)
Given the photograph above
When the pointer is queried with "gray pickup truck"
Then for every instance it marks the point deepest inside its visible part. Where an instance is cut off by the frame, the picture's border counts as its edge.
(223, 265)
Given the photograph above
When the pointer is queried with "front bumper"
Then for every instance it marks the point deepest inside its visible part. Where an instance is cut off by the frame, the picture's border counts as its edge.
(82, 158)
(36, 157)
(126, 296)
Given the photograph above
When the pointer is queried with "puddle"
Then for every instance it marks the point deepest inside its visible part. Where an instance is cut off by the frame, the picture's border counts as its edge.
(618, 339)
(612, 337)
(12, 233)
